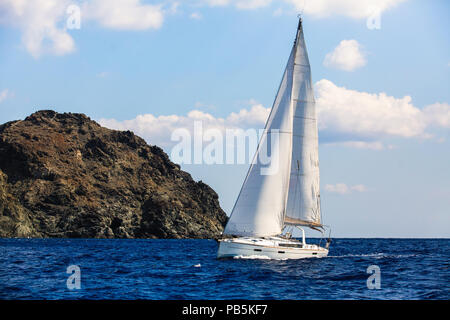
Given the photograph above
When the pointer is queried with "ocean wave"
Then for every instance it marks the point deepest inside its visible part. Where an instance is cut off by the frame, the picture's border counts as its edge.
(379, 255)
(148, 269)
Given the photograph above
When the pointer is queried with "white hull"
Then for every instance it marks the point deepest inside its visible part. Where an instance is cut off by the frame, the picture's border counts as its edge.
(270, 248)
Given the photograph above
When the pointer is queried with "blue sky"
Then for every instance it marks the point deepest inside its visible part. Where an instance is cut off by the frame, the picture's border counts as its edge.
(384, 158)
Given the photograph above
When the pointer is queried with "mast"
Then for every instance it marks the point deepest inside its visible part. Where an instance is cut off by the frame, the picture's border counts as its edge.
(299, 28)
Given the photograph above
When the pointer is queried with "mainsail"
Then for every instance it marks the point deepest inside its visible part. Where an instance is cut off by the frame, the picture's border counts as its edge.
(288, 192)
(303, 204)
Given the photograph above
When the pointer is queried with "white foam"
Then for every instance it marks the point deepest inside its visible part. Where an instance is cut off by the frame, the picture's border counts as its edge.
(374, 255)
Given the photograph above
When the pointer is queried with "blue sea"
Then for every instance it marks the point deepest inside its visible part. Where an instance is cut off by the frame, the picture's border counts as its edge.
(188, 269)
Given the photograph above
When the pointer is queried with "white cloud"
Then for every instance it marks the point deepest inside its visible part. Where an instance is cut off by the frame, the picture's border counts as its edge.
(356, 9)
(158, 129)
(42, 25)
(353, 119)
(438, 114)
(255, 117)
(4, 94)
(240, 4)
(365, 114)
(217, 3)
(252, 4)
(346, 56)
(173, 8)
(43, 22)
(342, 188)
(359, 188)
(125, 14)
(196, 16)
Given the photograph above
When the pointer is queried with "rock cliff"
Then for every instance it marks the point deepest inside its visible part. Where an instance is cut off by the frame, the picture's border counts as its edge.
(63, 175)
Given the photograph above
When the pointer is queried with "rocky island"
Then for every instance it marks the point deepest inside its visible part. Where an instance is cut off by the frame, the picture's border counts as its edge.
(63, 175)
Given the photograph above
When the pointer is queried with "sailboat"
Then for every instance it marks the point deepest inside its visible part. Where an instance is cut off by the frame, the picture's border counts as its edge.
(273, 203)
